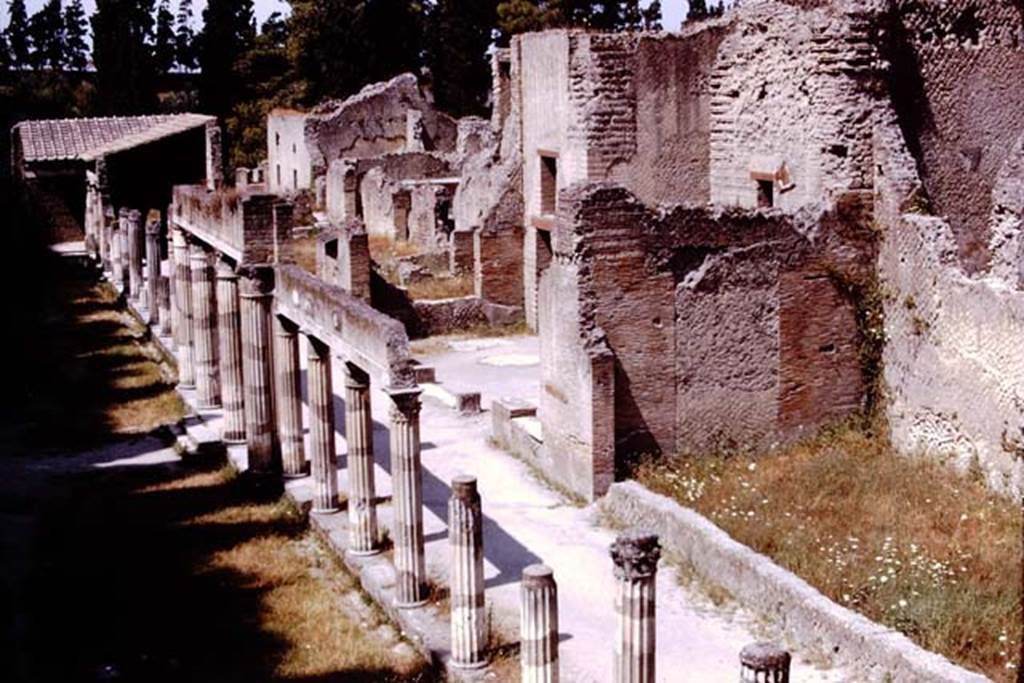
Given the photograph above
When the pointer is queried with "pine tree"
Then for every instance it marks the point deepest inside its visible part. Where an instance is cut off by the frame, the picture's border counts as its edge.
(75, 30)
(46, 30)
(327, 52)
(122, 31)
(697, 11)
(5, 53)
(163, 39)
(460, 33)
(393, 30)
(17, 34)
(227, 34)
(184, 37)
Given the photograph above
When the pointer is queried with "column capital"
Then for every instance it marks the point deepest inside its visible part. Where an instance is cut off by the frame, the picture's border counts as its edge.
(635, 554)
(225, 270)
(405, 403)
(355, 376)
(123, 212)
(197, 251)
(153, 228)
(135, 216)
(257, 281)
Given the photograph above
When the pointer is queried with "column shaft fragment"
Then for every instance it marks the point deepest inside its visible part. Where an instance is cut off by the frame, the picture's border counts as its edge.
(635, 555)
(323, 457)
(538, 625)
(466, 540)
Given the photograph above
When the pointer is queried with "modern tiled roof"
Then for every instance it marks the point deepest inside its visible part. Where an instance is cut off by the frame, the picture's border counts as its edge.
(87, 139)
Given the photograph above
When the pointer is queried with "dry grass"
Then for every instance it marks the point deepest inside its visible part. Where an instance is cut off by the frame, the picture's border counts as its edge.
(904, 541)
(441, 288)
(383, 249)
(304, 251)
(201, 576)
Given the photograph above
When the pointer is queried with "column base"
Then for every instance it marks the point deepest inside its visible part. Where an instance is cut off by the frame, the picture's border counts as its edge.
(295, 475)
(366, 553)
(326, 511)
(468, 667)
(411, 605)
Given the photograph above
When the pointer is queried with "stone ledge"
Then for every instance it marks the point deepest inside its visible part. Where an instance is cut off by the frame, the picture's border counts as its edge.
(463, 402)
(806, 616)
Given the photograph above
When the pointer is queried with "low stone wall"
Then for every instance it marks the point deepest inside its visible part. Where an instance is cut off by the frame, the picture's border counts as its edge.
(248, 226)
(367, 337)
(805, 615)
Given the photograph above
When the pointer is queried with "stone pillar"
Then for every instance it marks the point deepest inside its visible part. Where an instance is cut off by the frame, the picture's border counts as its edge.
(229, 329)
(106, 240)
(183, 304)
(256, 292)
(407, 484)
(163, 293)
(204, 328)
(538, 625)
(466, 539)
(635, 555)
(362, 508)
(120, 248)
(764, 663)
(153, 271)
(136, 248)
(288, 388)
(322, 455)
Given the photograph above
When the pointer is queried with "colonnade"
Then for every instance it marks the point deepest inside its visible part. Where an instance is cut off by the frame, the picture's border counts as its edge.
(243, 358)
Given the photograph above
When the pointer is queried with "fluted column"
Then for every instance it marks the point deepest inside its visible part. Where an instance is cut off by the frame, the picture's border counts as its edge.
(407, 482)
(229, 329)
(183, 296)
(107, 231)
(362, 508)
(153, 271)
(256, 291)
(635, 556)
(119, 249)
(322, 454)
(163, 292)
(288, 388)
(538, 625)
(764, 663)
(204, 327)
(136, 249)
(466, 540)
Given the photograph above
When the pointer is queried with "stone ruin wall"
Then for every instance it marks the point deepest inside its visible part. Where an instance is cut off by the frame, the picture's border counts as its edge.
(375, 121)
(957, 69)
(792, 86)
(954, 361)
(724, 327)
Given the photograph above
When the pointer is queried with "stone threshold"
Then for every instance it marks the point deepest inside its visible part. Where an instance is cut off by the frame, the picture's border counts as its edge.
(804, 615)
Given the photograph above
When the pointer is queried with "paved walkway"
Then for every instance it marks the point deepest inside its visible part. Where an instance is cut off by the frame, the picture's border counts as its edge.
(526, 522)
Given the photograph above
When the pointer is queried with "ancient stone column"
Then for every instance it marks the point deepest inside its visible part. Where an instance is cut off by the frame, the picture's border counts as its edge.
(764, 663)
(407, 482)
(538, 625)
(204, 328)
(163, 293)
(322, 454)
(288, 388)
(119, 249)
(106, 253)
(136, 249)
(256, 294)
(183, 297)
(153, 271)
(229, 328)
(635, 555)
(466, 540)
(362, 508)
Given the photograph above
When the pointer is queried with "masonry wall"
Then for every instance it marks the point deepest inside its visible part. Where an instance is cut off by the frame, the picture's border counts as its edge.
(791, 88)
(726, 328)
(957, 70)
(954, 364)
(288, 160)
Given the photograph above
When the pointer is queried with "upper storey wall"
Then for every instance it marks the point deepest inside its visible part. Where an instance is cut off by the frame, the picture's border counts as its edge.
(288, 161)
(790, 100)
(957, 70)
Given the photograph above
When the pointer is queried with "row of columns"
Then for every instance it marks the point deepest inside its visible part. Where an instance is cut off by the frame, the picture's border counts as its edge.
(239, 355)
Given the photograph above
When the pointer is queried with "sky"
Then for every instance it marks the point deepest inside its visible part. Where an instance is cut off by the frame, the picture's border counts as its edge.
(672, 10)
